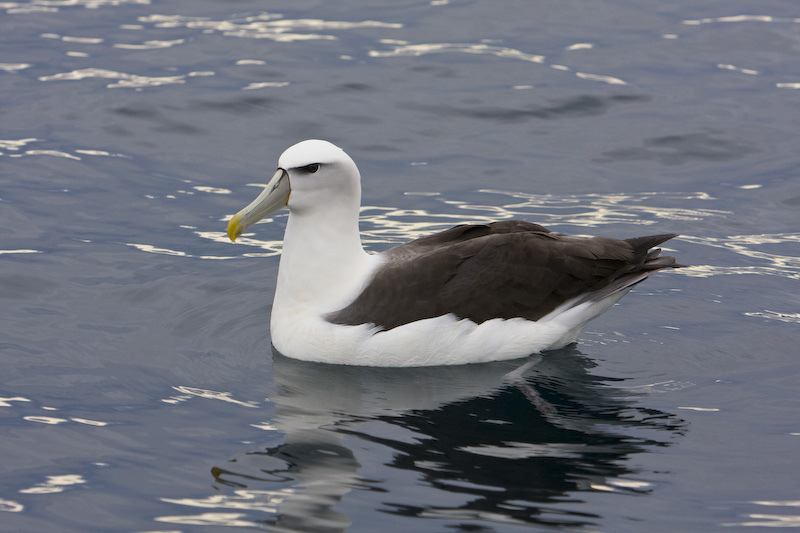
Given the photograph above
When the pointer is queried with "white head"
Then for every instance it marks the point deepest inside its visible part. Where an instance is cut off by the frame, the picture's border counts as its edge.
(311, 175)
(320, 173)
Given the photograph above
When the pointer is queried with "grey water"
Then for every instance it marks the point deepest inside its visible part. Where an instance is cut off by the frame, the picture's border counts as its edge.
(138, 388)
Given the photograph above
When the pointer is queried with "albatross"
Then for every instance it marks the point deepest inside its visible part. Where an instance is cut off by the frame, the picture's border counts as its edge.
(470, 294)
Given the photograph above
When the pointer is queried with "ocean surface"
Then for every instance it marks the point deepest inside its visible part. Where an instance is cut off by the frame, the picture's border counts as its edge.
(138, 387)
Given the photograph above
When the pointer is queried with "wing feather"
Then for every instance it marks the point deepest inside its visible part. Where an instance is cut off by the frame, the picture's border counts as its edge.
(501, 270)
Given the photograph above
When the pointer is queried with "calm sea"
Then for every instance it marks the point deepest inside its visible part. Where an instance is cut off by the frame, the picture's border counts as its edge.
(138, 388)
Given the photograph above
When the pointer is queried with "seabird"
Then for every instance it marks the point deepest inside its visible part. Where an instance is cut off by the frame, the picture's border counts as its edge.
(473, 293)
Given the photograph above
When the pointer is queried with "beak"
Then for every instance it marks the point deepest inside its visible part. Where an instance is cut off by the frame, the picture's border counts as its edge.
(274, 197)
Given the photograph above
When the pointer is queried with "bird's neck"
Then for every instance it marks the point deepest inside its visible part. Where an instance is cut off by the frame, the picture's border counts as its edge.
(323, 265)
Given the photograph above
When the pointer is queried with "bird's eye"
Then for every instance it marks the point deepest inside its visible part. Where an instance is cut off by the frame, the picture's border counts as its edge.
(313, 167)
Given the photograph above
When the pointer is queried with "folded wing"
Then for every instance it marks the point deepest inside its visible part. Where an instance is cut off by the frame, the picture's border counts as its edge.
(505, 269)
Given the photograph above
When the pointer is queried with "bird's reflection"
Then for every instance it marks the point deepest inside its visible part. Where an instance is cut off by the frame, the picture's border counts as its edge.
(503, 442)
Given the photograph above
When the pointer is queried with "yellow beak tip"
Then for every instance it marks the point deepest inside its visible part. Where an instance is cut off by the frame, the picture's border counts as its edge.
(235, 228)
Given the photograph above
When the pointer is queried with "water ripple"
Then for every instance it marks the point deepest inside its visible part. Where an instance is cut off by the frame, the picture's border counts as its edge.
(770, 68)
(13, 67)
(243, 499)
(265, 26)
(592, 210)
(764, 520)
(71, 39)
(210, 519)
(150, 45)
(122, 79)
(21, 251)
(437, 48)
(10, 506)
(776, 264)
(55, 484)
(741, 18)
(194, 392)
(415, 50)
(774, 315)
(43, 419)
(17, 146)
(393, 226)
(4, 402)
(51, 6)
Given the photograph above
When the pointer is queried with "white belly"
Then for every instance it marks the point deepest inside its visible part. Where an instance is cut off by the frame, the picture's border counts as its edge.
(443, 340)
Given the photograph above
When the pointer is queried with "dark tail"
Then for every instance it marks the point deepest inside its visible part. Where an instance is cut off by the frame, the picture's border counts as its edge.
(646, 260)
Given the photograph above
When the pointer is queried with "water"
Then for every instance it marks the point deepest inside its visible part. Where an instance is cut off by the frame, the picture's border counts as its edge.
(138, 384)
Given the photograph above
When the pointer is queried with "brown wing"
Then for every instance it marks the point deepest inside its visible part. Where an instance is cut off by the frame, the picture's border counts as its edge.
(502, 270)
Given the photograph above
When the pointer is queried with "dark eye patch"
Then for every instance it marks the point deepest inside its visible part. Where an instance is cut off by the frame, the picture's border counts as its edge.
(313, 167)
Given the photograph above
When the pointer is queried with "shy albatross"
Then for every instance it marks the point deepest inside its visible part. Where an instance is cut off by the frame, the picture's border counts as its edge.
(473, 293)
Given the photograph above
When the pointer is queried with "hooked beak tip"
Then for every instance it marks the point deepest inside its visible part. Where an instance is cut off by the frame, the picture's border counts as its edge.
(275, 196)
(235, 227)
